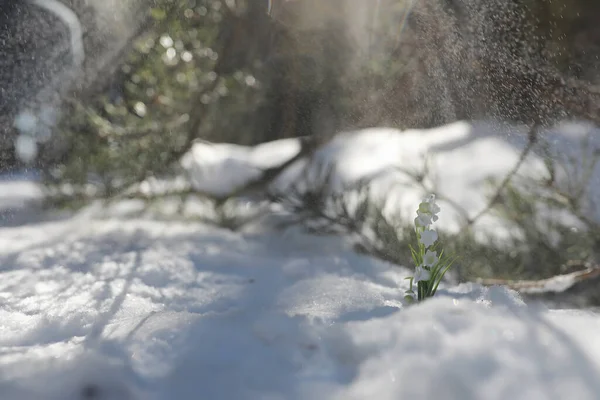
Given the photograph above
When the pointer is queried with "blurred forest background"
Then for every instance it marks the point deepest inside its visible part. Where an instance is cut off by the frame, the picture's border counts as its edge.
(151, 78)
(250, 71)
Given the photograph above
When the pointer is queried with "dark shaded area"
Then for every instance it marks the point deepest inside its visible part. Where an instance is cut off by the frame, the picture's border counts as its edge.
(34, 50)
(37, 67)
(530, 61)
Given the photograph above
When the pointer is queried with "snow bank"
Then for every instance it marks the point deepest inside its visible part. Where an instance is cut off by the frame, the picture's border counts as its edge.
(459, 160)
(220, 169)
(20, 194)
(464, 350)
(140, 309)
(18, 190)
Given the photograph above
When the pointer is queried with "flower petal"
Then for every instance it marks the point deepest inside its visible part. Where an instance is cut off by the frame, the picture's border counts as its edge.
(424, 208)
(421, 274)
(432, 206)
(430, 258)
(428, 237)
(422, 220)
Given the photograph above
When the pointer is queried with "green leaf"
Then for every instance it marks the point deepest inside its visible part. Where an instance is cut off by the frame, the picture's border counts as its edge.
(441, 275)
(158, 14)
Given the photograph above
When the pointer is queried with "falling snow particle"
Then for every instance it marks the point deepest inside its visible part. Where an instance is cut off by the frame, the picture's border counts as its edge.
(166, 41)
(26, 148)
(140, 109)
(26, 122)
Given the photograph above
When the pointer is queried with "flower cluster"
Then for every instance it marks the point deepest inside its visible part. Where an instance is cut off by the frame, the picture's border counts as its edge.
(429, 266)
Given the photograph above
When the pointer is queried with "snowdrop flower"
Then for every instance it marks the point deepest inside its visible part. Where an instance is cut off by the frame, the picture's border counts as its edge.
(421, 274)
(427, 212)
(432, 204)
(423, 220)
(430, 258)
(429, 207)
(430, 269)
(428, 237)
(424, 208)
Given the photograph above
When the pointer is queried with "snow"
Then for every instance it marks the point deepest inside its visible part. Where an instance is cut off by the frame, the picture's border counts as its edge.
(108, 305)
(19, 193)
(457, 160)
(465, 350)
(220, 168)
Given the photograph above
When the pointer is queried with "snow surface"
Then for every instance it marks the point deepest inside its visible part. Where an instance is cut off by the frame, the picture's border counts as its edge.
(141, 309)
(102, 305)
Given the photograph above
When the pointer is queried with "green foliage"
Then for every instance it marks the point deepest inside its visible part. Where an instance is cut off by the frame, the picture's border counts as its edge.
(166, 94)
(428, 288)
(552, 229)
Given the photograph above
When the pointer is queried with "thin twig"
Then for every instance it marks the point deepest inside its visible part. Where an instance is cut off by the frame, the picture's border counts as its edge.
(531, 141)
